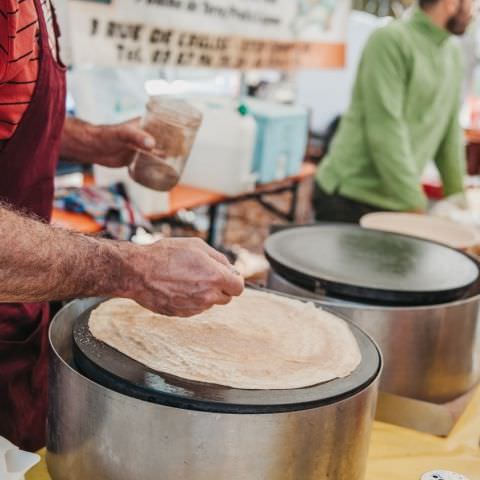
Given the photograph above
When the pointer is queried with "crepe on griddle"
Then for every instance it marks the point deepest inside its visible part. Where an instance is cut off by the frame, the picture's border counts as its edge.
(259, 341)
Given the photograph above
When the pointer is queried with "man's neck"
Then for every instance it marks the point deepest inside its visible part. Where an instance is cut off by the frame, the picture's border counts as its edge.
(436, 16)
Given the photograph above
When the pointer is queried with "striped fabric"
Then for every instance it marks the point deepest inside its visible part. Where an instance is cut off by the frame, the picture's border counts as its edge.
(19, 58)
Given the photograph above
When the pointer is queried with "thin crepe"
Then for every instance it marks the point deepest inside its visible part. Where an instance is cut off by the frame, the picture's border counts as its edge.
(259, 341)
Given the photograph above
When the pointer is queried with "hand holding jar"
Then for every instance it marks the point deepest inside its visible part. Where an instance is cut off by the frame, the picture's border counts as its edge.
(174, 125)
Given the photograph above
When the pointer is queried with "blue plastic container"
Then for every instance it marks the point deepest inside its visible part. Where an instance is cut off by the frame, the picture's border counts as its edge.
(282, 135)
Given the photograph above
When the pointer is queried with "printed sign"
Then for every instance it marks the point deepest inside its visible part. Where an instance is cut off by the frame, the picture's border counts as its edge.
(239, 34)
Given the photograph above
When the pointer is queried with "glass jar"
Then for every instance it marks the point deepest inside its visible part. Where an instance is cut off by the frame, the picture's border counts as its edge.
(173, 123)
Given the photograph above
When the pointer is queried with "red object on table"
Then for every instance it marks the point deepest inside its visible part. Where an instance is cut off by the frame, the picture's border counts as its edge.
(434, 191)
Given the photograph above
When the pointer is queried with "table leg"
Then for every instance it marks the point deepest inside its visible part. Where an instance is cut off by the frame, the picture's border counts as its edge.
(292, 214)
(212, 227)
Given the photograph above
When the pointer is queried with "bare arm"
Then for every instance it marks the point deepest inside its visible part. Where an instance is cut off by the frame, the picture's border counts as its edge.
(108, 145)
(176, 277)
(40, 263)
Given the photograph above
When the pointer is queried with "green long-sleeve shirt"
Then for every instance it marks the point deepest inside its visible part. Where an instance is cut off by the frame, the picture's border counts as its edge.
(404, 113)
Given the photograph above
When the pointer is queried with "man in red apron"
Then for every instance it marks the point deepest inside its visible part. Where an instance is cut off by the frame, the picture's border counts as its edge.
(39, 263)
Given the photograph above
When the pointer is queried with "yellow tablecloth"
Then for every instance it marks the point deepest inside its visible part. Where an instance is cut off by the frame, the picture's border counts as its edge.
(401, 454)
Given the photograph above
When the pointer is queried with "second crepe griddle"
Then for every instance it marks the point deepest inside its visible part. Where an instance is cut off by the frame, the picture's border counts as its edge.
(118, 372)
(370, 266)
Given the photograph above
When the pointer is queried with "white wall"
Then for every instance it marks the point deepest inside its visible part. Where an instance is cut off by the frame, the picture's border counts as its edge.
(327, 92)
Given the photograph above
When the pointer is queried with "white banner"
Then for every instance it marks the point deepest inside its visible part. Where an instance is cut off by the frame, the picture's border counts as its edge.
(239, 34)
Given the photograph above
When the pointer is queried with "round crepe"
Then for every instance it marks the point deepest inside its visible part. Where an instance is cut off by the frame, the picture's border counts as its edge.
(259, 341)
(441, 230)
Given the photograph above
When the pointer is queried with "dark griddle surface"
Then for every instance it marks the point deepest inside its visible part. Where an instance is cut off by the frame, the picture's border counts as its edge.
(116, 371)
(367, 265)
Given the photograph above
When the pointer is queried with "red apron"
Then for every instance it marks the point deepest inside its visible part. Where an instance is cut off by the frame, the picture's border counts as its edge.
(27, 166)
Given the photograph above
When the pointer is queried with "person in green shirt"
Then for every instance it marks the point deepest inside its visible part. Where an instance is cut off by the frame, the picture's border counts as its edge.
(404, 112)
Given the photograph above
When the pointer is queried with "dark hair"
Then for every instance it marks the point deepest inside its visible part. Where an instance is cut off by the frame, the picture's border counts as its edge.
(427, 3)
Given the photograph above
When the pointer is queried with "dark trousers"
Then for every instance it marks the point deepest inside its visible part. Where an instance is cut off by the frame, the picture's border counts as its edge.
(336, 208)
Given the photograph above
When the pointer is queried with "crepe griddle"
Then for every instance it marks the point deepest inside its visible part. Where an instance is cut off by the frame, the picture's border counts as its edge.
(351, 262)
(118, 372)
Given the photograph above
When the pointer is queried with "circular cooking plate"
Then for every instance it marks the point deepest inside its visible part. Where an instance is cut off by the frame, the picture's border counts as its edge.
(367, 265)
(116, 371)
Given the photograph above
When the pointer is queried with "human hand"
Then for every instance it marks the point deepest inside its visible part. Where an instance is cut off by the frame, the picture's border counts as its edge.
(180, 277)
(114, 145)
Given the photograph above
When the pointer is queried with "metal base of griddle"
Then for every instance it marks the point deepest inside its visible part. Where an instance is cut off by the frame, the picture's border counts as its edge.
(408, 412)
(95, 432)
(430, 353)
(433, 418)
